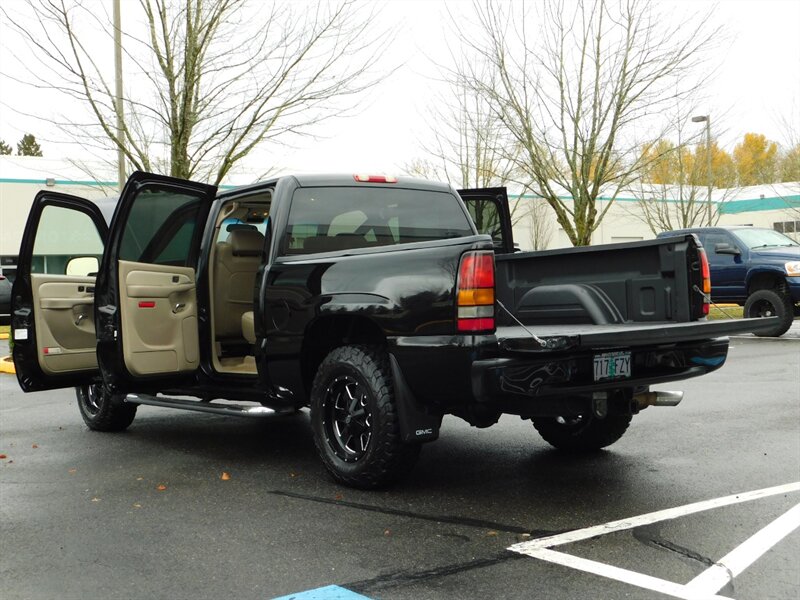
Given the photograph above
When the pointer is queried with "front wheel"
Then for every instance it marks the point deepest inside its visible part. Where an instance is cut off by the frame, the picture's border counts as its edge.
(354, 419)
(103, 411)
(582, 433)
(769, 303)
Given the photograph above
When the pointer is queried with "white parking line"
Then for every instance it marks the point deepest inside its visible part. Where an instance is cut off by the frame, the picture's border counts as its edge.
(650, 518)
(737, 560)
(705, 585)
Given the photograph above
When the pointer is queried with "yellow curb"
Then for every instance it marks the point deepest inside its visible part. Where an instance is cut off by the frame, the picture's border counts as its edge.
(7, 365)
(3, 336)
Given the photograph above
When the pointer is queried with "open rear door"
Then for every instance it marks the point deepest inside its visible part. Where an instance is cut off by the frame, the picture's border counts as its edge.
(52, 301)
(146, 291)
(489, 209)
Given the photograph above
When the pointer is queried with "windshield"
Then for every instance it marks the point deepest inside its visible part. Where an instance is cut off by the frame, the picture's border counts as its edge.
(763, 238)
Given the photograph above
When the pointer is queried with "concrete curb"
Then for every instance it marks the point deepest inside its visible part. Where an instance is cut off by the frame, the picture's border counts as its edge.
(7, 365)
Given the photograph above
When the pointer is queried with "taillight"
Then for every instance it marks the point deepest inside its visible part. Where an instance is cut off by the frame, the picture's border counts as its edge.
(706, 273)
(475, 292)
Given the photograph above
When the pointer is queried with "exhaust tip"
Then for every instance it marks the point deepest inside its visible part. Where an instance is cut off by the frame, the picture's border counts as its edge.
(661, 398)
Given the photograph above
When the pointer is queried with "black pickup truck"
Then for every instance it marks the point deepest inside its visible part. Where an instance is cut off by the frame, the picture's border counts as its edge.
(381, 304)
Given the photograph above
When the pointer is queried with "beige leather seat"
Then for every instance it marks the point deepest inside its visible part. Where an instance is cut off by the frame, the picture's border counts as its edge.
(235, 266)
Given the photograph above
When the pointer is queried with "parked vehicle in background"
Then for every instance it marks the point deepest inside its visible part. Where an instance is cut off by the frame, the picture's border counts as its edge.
(756, 268)
(381, 304)
(5, 300)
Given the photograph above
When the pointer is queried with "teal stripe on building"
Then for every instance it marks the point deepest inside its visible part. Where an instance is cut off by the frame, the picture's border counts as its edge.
(730, 207)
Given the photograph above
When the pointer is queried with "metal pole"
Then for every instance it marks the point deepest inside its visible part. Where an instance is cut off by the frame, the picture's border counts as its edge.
(118, 99)
(708, 158)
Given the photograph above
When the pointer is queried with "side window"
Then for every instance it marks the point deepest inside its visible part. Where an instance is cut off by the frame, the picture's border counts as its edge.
(486, 215)
(163, 228)
(66, 243)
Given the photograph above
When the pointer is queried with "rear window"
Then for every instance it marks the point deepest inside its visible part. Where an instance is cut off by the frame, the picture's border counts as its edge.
(344, 218)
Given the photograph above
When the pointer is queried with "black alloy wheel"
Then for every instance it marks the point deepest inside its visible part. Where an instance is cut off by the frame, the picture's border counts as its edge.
(354, 419)
(103, 411)
(770, 303)
(581, 433)
(346, 418)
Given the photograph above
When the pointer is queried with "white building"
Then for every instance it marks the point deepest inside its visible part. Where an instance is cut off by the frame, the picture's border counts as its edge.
(22, 177)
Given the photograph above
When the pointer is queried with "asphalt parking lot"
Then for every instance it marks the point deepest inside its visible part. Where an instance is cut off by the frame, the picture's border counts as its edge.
(189, 505)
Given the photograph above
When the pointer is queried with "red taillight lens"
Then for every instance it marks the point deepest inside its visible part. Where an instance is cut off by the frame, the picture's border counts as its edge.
(475, 293)
(705, 271)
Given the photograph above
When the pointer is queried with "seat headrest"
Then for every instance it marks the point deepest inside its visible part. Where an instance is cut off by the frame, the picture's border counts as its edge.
(246, 242)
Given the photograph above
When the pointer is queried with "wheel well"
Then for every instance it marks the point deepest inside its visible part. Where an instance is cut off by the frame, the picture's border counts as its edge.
(766, 281)
(327, 333)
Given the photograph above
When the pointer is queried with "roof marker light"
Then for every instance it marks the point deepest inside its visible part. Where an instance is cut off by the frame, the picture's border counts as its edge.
(375, 178)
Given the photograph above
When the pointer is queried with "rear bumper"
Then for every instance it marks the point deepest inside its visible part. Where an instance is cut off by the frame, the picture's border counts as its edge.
(515, 378)
(445, 373)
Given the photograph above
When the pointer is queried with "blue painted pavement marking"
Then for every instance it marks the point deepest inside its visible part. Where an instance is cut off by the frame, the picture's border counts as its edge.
(329, 592)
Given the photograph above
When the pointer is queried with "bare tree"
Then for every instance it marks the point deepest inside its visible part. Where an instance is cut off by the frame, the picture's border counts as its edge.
(573, 92)
(207, 80)
(470, 148)
(541, 225)
(672, 184)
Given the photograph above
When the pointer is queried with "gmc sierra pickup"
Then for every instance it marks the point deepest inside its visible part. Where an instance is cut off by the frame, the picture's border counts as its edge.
(376, 302)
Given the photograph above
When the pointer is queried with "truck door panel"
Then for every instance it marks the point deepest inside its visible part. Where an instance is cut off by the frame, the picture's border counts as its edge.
(53, 295)
(64, 322)
(159, 318)
(147, 288)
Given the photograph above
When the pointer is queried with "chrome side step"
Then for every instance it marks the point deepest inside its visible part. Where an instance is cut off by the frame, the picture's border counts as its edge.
(218, 408)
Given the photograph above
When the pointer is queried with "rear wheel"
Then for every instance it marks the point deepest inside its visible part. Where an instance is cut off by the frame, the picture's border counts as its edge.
(582, 433)
(103, 411)
(354, 419)
(769, 303)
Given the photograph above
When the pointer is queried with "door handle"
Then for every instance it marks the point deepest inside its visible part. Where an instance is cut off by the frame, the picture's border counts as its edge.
(79, 318)
(179, 306)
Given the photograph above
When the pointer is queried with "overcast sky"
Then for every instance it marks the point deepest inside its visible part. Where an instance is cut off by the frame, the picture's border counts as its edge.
(757, 84)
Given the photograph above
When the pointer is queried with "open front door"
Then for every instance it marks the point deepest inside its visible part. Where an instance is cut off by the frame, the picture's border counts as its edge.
(489, 209)
(52, 301)
(146, 290)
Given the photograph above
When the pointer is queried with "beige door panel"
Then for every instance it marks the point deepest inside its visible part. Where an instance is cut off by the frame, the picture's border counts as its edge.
(159, 318)
(64, 318)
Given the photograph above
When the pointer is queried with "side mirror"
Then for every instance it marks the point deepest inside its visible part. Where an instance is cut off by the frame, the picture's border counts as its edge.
(83, 266)
(724, 248)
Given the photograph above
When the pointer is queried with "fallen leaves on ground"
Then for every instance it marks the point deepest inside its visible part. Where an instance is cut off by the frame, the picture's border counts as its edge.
(95, 499)
(161, 487)
(491, 533)
(72, 471)
(137, 505)
(3, 456)
(35, 446)
(225, 476)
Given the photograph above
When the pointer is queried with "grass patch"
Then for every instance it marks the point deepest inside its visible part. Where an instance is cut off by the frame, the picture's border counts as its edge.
(729, 311)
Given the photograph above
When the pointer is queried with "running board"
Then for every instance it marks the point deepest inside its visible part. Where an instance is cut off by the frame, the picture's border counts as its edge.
(236, 410)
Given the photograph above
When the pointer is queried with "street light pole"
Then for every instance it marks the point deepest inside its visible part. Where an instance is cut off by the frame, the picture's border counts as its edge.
(118, 95)
(707, 120)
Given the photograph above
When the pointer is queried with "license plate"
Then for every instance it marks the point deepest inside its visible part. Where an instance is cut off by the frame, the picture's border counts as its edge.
(612, 365)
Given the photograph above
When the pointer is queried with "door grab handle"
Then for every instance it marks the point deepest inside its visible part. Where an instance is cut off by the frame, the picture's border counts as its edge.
(79, 318)
(178, 307)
